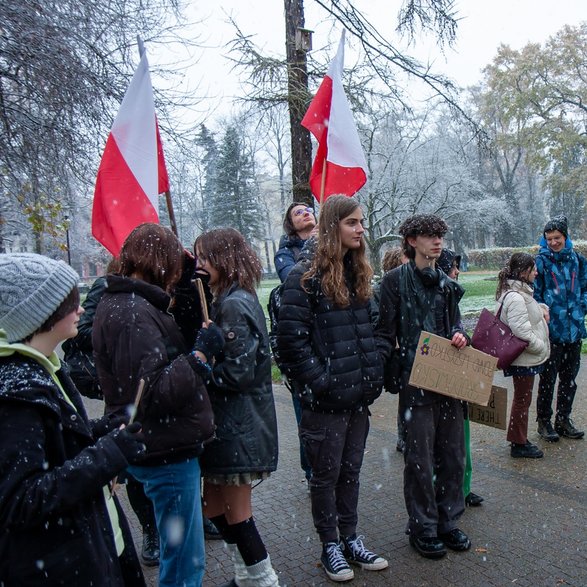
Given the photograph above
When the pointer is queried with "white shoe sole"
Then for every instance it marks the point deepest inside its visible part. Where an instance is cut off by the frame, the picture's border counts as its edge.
(378, 565)
(340, 577)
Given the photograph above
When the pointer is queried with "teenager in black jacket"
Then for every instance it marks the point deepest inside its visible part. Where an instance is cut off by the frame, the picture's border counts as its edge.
(414, 297)
(326, 345)
(244, 449)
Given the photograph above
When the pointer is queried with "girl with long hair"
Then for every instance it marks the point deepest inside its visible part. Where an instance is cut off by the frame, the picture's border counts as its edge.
(326, 344)
(244, 449)
(528, 320)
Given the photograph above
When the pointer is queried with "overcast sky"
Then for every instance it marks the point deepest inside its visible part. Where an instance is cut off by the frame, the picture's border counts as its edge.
(483, 26)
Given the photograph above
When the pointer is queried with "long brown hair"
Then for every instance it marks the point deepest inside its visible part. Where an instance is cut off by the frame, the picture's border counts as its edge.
(154, 253)
(229, 253)
(328, 260)
(518, 264)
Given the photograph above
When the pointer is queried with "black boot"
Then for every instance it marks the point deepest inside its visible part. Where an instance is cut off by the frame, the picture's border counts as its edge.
(210, 530)
(150, 550)
(566, 428)
(546, 431)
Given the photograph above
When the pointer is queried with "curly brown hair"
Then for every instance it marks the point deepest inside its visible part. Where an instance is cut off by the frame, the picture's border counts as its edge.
(328, 265)
(235, 260)
(421, 224)
(154, 253)
(392, 259)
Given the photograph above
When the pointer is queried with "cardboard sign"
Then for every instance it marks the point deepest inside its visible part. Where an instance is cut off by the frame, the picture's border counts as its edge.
(466, 374)
(495, 413)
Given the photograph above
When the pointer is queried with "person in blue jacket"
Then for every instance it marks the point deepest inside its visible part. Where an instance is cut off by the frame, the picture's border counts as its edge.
(561, 284)
(299, 224)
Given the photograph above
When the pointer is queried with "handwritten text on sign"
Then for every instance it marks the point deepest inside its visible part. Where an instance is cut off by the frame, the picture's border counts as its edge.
(495, 413)
(466, 374)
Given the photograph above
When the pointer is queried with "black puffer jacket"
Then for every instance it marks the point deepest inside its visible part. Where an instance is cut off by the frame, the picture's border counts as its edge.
(135, 337)
(328, 349)
(240, 390)
(55, 528)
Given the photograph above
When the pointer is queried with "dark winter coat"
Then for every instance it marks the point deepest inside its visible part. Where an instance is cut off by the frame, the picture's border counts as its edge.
(78, 352)
(406, 308)
(240, 390)
(54, 525)
(561, 284)
(135, 338)
(329, 350)
(288, 254)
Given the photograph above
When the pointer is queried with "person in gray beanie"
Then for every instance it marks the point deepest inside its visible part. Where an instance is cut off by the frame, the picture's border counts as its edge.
(61, 525)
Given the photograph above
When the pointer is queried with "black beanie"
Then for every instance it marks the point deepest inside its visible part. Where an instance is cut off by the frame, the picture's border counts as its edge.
(559, 223)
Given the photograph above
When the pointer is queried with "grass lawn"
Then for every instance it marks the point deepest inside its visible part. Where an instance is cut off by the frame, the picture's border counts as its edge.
(479, 291)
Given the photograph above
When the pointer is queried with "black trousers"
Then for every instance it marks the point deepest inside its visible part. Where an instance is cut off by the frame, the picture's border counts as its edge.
(334, 445)
(434, 466)
(564, 361)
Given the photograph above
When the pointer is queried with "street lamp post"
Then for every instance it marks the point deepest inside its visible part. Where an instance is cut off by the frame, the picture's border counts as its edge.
(67, 240)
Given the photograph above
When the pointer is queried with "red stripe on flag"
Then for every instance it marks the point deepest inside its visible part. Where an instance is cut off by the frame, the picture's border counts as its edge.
(113, 218)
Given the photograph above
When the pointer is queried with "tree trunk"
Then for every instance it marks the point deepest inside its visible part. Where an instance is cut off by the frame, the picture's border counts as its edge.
(297, 90)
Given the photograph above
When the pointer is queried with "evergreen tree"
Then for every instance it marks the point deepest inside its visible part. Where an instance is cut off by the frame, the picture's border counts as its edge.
(206, 143)
(236, 199)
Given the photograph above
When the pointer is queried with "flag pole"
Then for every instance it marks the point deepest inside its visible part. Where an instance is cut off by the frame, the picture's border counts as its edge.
(168, 201)
(323, 182)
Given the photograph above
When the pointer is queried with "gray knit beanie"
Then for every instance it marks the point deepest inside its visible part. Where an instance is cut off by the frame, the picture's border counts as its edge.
(32, 287)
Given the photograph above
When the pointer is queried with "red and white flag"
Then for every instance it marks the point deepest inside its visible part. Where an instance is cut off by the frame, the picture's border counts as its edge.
(330, 120)
(132, 172)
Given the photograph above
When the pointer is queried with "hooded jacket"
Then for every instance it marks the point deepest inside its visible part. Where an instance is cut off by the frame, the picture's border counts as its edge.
(240, 390)
(134, 338)
(561, 284)
(56, 529)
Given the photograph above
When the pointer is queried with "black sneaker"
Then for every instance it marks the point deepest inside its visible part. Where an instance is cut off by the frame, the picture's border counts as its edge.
(334, 563)
(546, 431)
(150, 549)
(566, 428)
(355, 552)
(526, 451)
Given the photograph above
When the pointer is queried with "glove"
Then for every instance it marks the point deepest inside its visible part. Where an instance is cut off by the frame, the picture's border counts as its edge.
(130, 441)
(187, 272)
(210, 341)
(101, 426)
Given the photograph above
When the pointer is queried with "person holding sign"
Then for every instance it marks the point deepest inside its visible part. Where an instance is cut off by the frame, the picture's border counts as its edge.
(450, 263)
(527, 320)
(414, 297)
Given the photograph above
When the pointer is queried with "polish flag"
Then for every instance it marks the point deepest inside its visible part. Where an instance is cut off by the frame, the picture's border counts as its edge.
(330, 120)
(132, 171)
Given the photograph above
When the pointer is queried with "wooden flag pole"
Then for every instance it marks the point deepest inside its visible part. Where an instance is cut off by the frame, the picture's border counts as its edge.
(130, 421)
(200, 287)
(323, 182)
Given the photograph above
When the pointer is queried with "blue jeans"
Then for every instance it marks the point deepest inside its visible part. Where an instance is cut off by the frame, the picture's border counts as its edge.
(175, 492)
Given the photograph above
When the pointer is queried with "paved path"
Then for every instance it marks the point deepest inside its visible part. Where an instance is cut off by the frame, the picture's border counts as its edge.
(530, 532)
